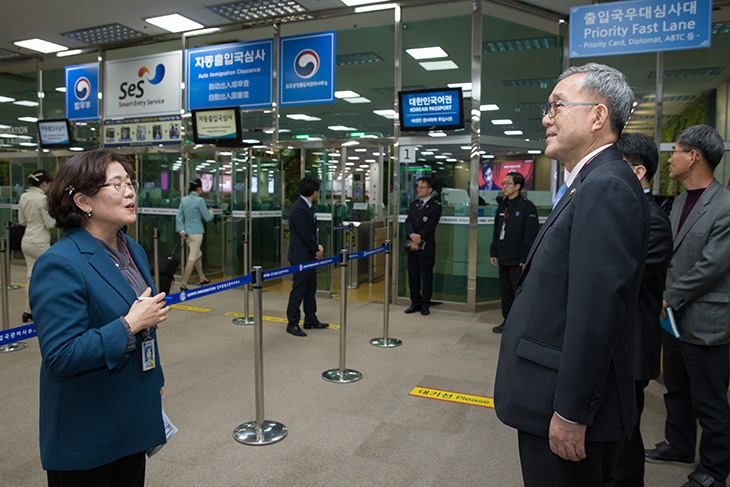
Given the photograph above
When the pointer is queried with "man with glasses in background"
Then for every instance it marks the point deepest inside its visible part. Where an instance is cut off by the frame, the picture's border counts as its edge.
(696, 371)
(565, 377)
(515, 227)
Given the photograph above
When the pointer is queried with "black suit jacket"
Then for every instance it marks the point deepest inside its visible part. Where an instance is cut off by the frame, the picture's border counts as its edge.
(303, 237)
(648, 334)
(423, 222)
(568, 342)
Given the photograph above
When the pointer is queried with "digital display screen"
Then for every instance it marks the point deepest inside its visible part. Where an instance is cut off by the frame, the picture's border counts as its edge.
(220, 126)
(424, 110)
(54, 133)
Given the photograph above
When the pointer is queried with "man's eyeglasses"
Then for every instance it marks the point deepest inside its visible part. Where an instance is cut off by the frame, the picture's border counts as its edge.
(551, 109)
(120, 186)
(673, 151)
(507, 183)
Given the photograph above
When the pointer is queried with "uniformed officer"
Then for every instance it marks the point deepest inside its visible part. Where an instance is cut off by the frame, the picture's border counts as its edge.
(515, 228)
(423, 216)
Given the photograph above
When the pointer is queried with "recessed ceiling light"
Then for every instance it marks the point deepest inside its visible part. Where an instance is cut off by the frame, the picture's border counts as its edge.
(174, 23)
(26, 103)
(40, 45)
(5, 99)
(341, 128)
(502, 121)
(488, 108)
(438, 65)
(426, 153)
(437, 134)
(427, 52)
(385, 113)
(513, 132)
(28, 119)
(534, 152)
(463, 86)
(303, 117)
(62, 89)
(346, 94)
(359, 99)
(487, 156)
(70, 52)
(373, 8)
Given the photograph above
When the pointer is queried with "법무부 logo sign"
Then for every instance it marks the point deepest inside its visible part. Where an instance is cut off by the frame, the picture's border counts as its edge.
(306, 64)
(307, 67)
(82, 92)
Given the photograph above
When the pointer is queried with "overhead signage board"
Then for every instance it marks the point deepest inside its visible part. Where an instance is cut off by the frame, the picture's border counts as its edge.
(142, 131)
(238, 74)
(143, 86)
(307, 67)
(431, 109)
(82, 92)
(639, 26)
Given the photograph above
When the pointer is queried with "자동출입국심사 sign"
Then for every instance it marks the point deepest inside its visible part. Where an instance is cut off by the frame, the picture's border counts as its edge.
(639, 26)
(238, 74)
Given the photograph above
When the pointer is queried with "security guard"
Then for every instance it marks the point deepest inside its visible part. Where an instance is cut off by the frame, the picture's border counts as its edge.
(515, 228)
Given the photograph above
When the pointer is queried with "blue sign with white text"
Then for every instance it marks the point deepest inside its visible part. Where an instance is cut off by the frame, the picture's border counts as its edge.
(82, 92)
(639, 26)
(238, 74)
(307, 68)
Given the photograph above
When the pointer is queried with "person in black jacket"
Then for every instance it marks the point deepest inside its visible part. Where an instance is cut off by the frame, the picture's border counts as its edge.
(423, 216)
(304, 246)
(641, 153)
(515, 228)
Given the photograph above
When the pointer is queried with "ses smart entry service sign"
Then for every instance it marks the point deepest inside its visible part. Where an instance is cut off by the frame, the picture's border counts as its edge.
(307, 67)
(639, 26)
(82, 92)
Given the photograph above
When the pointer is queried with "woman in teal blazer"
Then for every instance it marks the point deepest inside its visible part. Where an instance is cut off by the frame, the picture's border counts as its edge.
(189, 223)
(100, 408)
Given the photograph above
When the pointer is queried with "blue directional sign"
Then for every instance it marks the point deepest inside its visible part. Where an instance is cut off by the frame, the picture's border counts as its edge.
(82, 92)
(238, 74)
(307, 67)
(639, 26)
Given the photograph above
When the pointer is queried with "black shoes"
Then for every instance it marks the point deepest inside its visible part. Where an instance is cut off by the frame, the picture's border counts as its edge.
(319, 325)
(425, 311)
(183, 287)
(664, 452)
(27, 317)
(498, 329)
(295, 330)
(699, 479)
(203, 283)
(413, 308)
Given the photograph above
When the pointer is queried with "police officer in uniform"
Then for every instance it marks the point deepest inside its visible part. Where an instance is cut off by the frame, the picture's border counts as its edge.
(423, 216)
(515, 228)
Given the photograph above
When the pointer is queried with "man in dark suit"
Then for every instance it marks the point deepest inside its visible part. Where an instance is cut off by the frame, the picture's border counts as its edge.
(304, 246)
(423, 216)
(565, 377)
(641, 153)
(515, 228)
(696, 371)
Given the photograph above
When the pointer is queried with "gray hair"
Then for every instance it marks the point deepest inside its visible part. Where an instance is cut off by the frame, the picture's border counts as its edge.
(706, 140)
(611, 85)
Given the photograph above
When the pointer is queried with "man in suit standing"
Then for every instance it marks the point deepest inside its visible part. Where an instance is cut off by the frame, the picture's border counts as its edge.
(515, 228)
(423, 216)
(565, 377)
(696, 371)
(304, 246)
(641, 153)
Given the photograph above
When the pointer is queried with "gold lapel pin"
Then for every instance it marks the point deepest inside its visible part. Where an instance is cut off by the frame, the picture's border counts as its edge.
(572, 192)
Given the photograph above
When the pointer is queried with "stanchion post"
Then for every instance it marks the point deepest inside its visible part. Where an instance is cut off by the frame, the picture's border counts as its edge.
(156, 255)
(259, 432)
(10, 347)
(9, 251)
(246, 319)
(385, 341)
(352, 273)
(342, 375)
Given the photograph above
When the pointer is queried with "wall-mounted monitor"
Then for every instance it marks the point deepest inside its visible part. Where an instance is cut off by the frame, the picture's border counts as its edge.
(55, 133)
(427, 110)
(218, 126)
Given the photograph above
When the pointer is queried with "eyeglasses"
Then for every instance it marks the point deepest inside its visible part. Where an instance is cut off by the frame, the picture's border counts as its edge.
(507, 183)
(120, 186)
(673, 151)
(551, 109)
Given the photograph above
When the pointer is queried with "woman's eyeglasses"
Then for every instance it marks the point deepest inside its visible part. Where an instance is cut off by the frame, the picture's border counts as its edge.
(120, 186)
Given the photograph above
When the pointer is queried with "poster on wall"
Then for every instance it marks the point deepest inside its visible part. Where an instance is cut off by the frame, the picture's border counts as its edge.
(82, 92)
(307, 66)
(142, 131)
(238, 74)
(143, 86)
(492, 174)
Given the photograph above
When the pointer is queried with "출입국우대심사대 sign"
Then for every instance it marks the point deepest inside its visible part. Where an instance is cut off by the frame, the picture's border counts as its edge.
(639, 26)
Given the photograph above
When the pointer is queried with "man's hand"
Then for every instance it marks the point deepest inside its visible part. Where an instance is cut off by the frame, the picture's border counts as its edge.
(567, 440)
(663, 314)
(416, 239)
(413, 247)
(320, 253)
(493, 260)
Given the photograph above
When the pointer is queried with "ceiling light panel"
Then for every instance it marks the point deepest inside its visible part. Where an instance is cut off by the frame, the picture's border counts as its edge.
(104, 34)
(256, 9)
(427, 53)
(174, 23)
(358, 58)
(40, 45)
(438, 65)
(519, 44)
(5, 54)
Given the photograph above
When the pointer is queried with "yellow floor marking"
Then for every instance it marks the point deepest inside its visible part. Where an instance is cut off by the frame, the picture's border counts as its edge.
(449, 396)
(275, 319)
(190, 308)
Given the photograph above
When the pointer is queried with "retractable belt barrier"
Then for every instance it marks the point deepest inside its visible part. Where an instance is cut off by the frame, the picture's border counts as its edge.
(28, 331)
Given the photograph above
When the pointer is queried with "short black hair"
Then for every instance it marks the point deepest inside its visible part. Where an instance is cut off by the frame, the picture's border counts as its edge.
(194, 184)
(308, 186)
(38, 177)
(426, 180)
(706, 140)
(517, 178)
(487, 165)
(639, 150)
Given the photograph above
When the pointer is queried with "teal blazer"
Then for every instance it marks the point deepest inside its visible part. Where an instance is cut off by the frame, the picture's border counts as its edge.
(191, 214)
(96, 404)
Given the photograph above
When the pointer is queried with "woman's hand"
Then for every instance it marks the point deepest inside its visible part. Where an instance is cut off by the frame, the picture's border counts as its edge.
(147, 311)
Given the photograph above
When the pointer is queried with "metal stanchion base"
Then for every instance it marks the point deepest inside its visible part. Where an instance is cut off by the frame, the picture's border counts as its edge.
(385, 342)
(13, 286)
(343, 377)
(244, 321)
(12, 347)
(353, 286)
(250, 434)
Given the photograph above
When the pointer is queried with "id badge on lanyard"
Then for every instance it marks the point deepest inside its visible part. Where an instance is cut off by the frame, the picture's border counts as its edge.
(149, 361)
